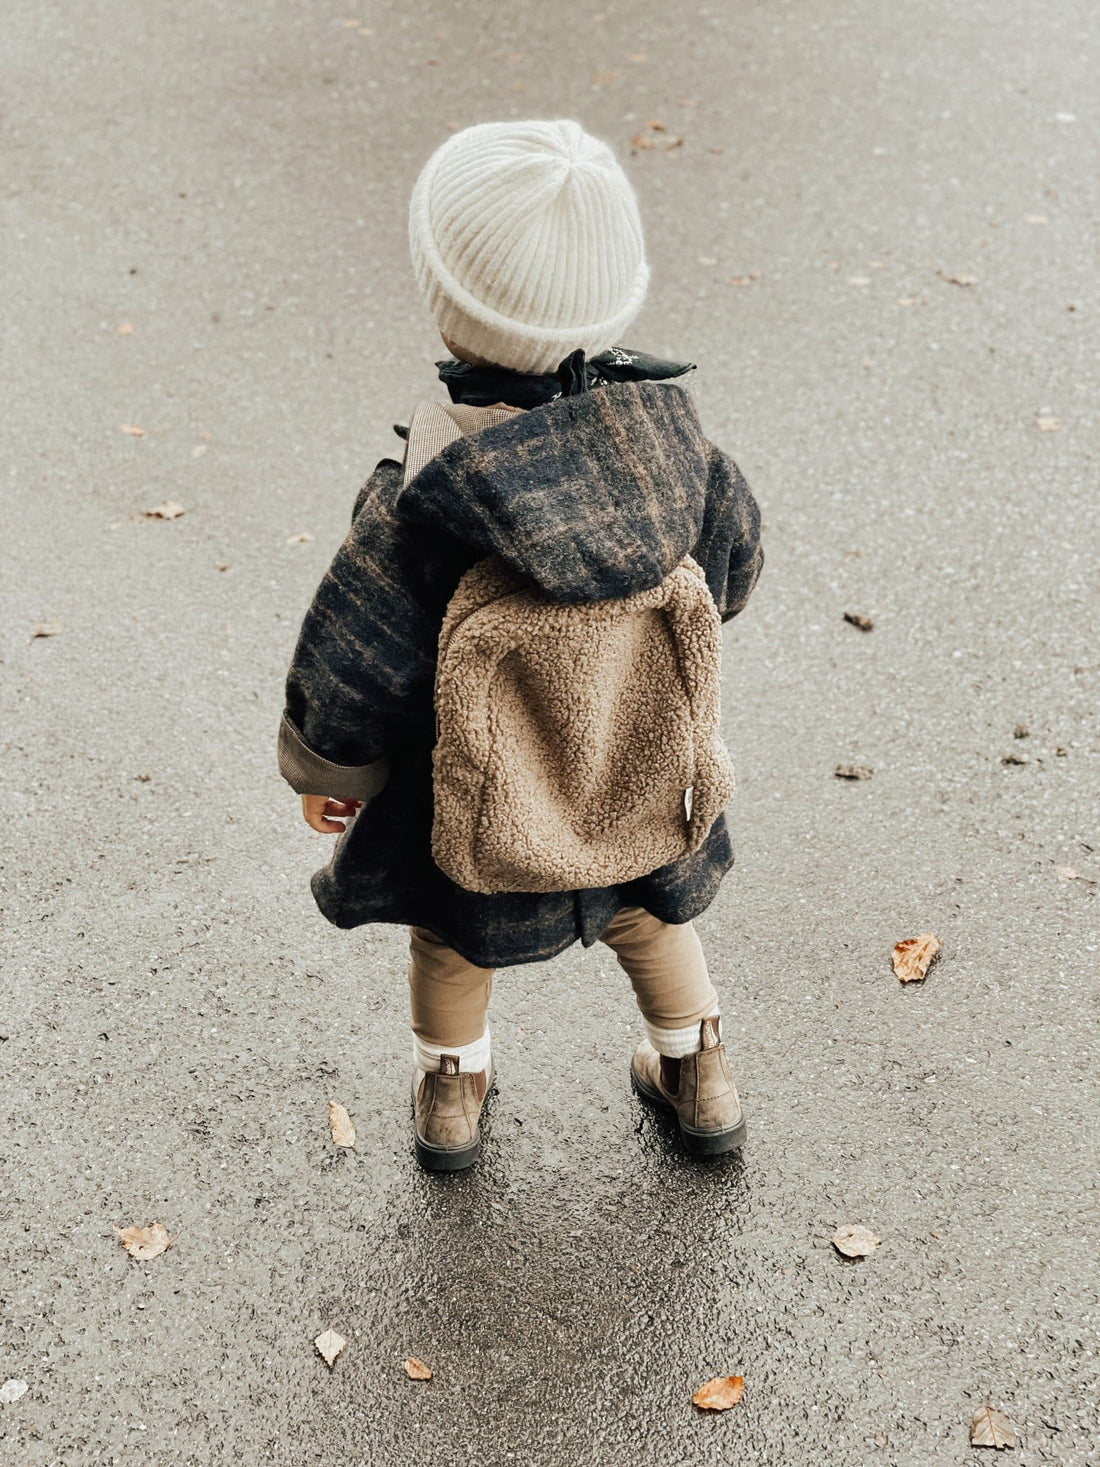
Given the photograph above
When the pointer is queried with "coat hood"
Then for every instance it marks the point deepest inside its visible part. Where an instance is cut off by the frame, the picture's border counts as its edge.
(592, 497)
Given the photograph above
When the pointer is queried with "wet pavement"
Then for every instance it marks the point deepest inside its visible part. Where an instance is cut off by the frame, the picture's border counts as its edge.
(230, 183)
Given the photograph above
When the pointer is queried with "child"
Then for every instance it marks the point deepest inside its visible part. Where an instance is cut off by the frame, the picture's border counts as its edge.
(589, 480)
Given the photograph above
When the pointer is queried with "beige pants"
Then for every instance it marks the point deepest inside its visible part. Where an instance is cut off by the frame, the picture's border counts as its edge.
(665, 965)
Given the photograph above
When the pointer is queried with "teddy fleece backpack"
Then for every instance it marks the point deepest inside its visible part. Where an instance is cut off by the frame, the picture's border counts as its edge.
(578, 743)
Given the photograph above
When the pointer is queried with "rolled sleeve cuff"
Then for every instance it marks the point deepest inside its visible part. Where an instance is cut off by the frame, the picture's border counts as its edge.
(308, 774)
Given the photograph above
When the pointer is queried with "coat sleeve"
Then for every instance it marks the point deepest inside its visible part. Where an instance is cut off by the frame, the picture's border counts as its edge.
(729, 545)
(365, 660)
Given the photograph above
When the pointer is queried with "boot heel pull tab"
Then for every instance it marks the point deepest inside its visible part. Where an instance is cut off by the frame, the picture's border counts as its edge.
(448, 1064)
(710, 1032)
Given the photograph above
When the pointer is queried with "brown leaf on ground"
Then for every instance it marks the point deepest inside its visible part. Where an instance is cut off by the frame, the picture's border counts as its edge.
(657, 136)
(990, 1428)
(1046, 424)
(1071, 873)
(1015, 756)
(133, 430)
(416, 1369)
(855, 619)
(49, 628)
(343, 1132)
(303, 539)
(329, 1346)
(853, 771)
(125, 329)
(855, 1241)
(169, 510)
(958, 279)
(1021, 731)
(144, 1243)
(911, 957)
(720, 1393)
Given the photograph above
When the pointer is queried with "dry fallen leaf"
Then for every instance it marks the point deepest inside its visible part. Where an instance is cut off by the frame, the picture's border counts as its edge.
(744, 280)
(1047, 424)
(144, 1243)
(343, 1132)
(1014, 756)
(47, 628)
(720, 1393)
(855, 619)
(855, 1241)
(990, 1428)
(303, 539)
(169, 510)
(126, 329)
(1021, 731)
(12, 1390)
(853, 771)
(133, 430)
(1067, 873)
(416, 1369)
(912, 956)
(958, 279)
(329, 1346)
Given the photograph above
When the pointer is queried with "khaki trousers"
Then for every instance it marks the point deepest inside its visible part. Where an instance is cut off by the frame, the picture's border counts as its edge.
(664, 962)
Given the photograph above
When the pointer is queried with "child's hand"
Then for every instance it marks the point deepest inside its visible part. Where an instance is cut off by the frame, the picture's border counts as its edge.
(318, 810)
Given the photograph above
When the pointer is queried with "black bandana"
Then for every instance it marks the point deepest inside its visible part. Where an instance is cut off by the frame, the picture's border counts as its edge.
(484, 386)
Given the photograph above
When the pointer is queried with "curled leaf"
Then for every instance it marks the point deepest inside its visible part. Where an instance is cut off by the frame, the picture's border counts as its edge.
(329, 1344)
(853, 771)
(168, 510)
(720, 1393)
(911, 957)
(990, 1428)
(133, 430)
(416, 1369)
(144, 1243)
(1047, 424)
(343, 1132)
(303, 539)
(855, 1241)
(856, 619)
(49, 628)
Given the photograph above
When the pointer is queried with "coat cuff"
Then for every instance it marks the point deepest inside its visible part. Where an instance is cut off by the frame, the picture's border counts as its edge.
(308, 774)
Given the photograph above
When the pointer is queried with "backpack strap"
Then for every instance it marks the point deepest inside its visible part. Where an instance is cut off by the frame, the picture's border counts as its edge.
(436, 424)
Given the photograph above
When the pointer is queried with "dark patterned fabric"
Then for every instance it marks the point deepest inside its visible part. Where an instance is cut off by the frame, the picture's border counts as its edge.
(590, 496)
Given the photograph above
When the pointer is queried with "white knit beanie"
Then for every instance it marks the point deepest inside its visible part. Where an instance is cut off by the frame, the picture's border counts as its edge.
(527, 243)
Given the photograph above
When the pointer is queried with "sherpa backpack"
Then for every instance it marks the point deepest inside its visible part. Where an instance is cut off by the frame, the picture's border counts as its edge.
(578, 743)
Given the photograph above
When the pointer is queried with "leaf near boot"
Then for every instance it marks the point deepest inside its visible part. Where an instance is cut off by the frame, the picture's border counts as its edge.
(990, 1428)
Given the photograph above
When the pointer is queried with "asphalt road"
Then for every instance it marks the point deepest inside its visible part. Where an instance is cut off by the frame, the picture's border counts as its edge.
(916, 186)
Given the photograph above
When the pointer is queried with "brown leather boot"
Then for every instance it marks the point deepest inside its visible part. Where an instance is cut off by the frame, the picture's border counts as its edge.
(446, 1111)
(698, 1089)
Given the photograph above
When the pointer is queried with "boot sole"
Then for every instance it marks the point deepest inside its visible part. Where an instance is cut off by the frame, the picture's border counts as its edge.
(436, 1159)
(450, 1158)
(698, 1143)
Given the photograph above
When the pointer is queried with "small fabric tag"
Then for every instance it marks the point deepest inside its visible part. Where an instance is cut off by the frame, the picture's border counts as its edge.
(689, 800)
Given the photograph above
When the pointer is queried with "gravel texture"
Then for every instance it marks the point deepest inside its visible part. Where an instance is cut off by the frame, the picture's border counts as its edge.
(231, 181)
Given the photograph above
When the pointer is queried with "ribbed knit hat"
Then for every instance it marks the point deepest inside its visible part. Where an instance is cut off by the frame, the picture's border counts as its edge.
(527, 243)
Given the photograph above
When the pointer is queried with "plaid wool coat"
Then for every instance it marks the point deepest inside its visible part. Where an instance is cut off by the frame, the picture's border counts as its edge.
(590, 497)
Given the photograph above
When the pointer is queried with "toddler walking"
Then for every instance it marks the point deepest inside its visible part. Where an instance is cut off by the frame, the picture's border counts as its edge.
(504, 694)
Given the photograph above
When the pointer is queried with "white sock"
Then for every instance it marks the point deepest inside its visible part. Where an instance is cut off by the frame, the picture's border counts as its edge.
(679, 1043)
(471, 1057)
